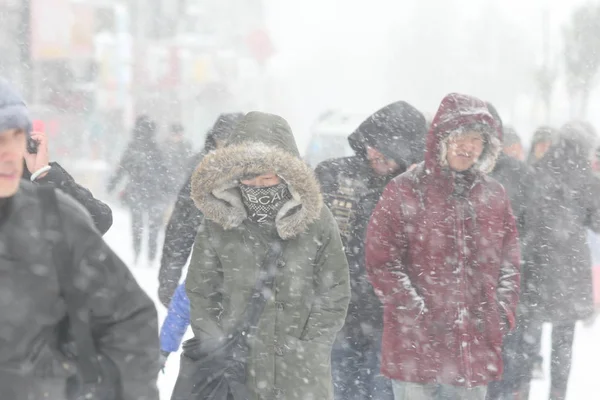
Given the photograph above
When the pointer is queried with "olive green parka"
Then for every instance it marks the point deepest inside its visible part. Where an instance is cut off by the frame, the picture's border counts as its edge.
(291, 347)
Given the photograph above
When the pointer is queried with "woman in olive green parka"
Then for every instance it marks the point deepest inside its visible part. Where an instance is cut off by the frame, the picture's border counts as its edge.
(290, 350)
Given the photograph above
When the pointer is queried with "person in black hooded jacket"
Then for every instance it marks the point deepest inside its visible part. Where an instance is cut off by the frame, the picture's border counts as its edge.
(48, 252)
(517, 179)
(558, 284)
(186, 218)
(514, 175)
(386, 144)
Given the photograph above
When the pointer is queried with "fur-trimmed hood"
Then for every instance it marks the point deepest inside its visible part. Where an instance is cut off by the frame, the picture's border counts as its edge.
(456, 112)
(261, 143)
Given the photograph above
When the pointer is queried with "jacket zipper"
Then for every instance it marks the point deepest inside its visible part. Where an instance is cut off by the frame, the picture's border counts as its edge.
(464, 342)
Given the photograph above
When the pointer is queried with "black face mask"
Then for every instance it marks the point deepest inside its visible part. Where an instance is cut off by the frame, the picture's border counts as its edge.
(263, 203)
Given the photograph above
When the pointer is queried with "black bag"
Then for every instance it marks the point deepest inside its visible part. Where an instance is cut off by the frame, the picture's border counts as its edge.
(98, 376)
(215, 369)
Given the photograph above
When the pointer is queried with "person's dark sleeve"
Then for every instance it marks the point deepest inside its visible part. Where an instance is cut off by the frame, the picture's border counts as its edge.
(123, 318)
(179, 239)
(61, 179)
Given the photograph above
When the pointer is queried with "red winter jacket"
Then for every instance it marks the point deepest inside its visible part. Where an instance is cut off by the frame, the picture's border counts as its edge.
(445, 264)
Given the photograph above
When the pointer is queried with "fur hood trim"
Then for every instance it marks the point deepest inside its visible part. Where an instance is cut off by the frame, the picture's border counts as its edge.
(216, 180)
(487, 160)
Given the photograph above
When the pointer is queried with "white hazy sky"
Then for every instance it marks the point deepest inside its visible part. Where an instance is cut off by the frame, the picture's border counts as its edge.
(336, 53)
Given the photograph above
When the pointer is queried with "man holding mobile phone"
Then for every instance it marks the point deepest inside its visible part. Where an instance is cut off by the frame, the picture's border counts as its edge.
(39, 169)
(75, 323)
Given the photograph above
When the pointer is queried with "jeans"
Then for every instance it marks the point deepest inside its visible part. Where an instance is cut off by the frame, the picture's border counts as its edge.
(355, 366)
(417, 391)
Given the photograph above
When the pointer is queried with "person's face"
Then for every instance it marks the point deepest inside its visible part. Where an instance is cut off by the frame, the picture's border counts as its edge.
(12, 151)
(541, 148)
(266, 180)
(515, 151)
(464, 150)
(380, 164)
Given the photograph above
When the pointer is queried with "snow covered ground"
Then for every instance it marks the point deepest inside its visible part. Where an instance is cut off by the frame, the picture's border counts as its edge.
(583, 384)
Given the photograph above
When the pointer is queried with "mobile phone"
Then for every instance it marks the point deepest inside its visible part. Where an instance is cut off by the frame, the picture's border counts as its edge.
(32, 144)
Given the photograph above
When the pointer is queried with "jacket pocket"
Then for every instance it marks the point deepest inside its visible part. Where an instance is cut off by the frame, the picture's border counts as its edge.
(303, 370)
(494, 329)
(413, 327)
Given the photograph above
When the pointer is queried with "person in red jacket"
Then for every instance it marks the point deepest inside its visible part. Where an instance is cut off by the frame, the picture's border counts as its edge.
(443, 256)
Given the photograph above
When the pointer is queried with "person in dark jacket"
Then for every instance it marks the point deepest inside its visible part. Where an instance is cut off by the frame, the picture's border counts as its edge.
(532, 363)
(386, 144)
(186, 217)
(442, 253)
(33, 361)
(145, 194)
(516, 177)
(46, 172)
(558, 275)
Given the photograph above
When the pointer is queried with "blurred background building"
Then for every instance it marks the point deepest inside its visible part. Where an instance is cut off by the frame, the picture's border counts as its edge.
(88, 67)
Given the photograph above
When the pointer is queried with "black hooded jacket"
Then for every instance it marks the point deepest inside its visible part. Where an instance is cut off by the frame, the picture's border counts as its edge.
(351, 190)
(32, 309)
(186, 218)
(565, 203)
(398, 132)
(60, 178)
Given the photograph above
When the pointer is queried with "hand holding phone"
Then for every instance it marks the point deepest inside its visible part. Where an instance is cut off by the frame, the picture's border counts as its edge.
(32, 144)
(37, 148)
